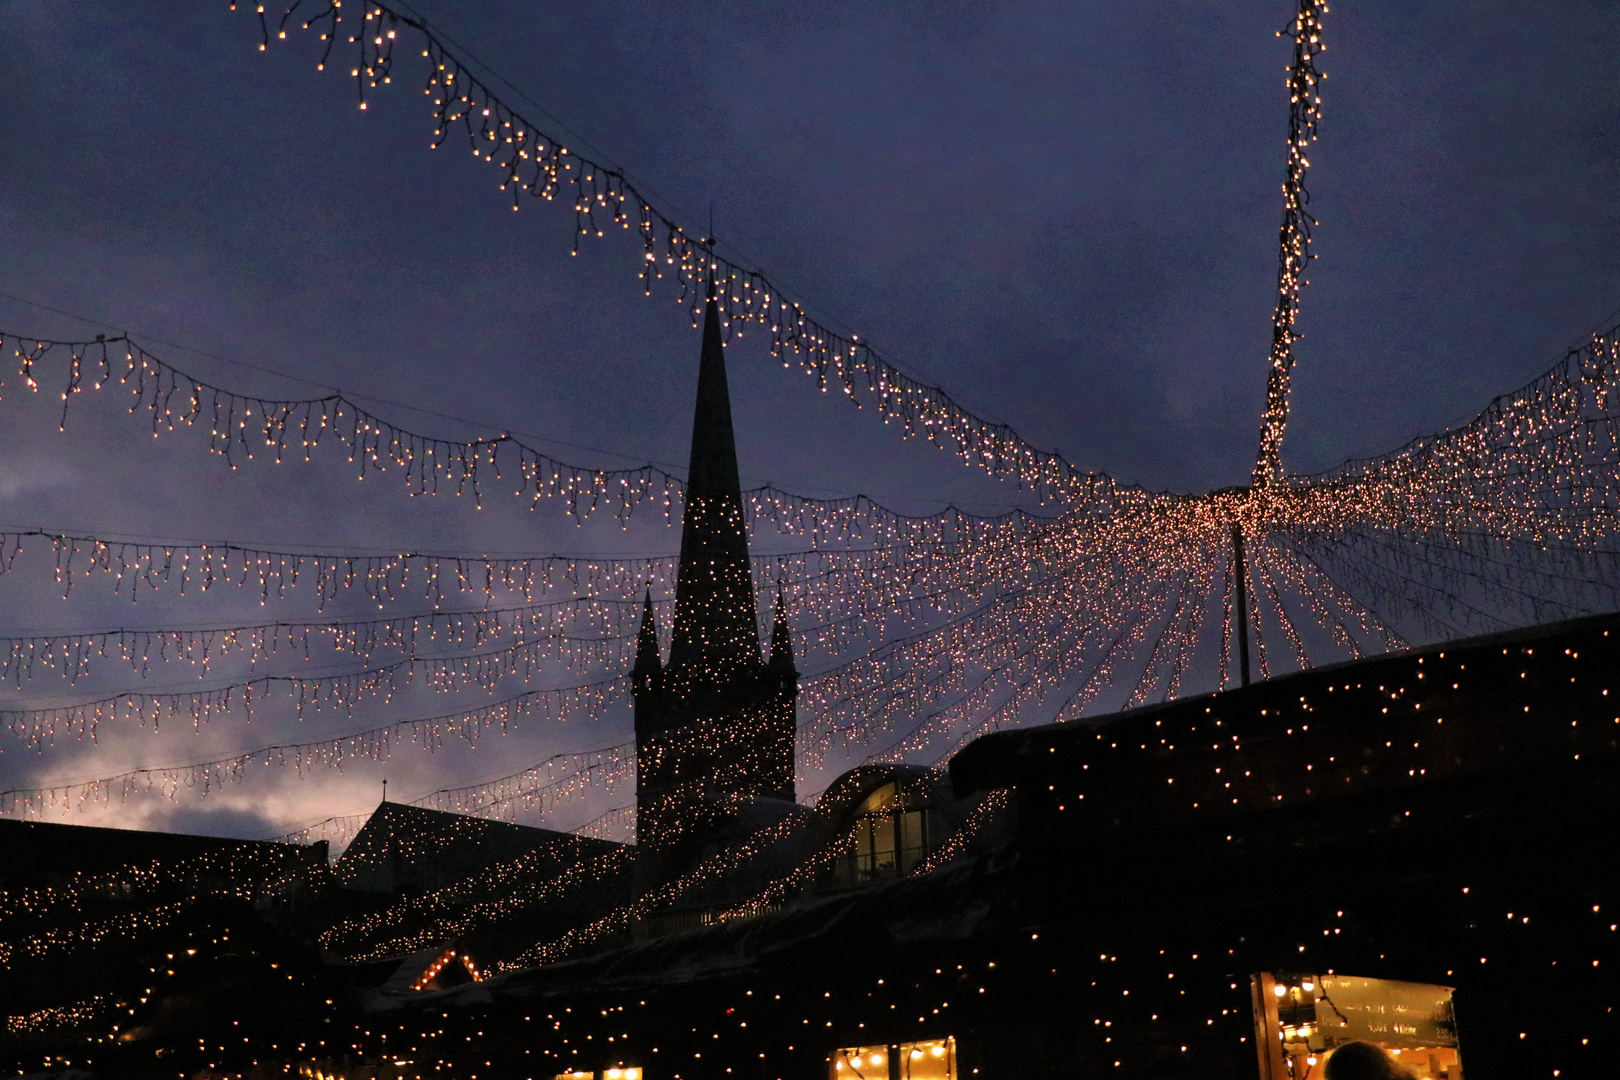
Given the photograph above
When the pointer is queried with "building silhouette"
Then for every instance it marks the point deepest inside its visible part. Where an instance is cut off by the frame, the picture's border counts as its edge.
(714, 723)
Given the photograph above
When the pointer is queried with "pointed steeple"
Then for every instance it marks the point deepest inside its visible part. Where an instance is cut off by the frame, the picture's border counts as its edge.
(716, 624)
(647, 640)
(715, 724)
(781, 638)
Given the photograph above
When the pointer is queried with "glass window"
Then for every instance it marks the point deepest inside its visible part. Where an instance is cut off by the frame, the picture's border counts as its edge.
(912, 851)
(891, 839)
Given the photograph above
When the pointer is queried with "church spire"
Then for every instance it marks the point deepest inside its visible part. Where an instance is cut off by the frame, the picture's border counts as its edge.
(716, 625)
(647, 640)
(715, 726)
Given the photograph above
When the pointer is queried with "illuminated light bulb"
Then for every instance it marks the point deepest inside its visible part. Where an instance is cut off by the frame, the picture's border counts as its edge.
(1280, 990)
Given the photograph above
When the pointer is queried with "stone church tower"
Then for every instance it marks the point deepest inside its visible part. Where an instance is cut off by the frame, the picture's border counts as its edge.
(715, 724)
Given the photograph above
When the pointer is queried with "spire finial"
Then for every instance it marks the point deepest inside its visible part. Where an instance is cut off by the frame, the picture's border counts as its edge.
(647, 662)
(781, 636)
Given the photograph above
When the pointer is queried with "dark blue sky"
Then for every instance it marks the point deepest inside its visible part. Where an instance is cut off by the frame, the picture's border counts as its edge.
(1065, 213)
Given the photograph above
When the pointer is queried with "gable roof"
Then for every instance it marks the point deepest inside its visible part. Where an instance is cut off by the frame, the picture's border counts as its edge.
(404, 845)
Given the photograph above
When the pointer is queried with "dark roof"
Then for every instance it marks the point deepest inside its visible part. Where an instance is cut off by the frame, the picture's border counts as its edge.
(1472, 708)
(32, 852)
(404, 844)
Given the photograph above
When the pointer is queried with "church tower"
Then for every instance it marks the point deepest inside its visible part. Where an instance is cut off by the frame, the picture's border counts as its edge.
(715, 724)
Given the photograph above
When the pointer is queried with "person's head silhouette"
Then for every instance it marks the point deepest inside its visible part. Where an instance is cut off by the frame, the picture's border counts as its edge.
(1364, 1061)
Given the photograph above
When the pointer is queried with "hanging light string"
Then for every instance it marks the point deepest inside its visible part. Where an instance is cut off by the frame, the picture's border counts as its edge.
(233, 865)
(196, 566)
(69, 653)
(243, 428)
(533, 162)
(580, 628)
(851, 594)
(375, 743)
(498, 892)
(378, 742)
(328, 752)
(1540, 463)
(44, 726)
(1294, 239)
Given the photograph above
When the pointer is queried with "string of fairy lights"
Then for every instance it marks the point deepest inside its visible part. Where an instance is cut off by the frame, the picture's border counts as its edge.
(1293, 260)
(375, 743)
(534, 162)
(72, 654)
(238, 424)
(189, 567)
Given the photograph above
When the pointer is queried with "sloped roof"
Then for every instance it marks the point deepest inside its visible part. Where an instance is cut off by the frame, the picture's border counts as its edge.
(405, 844)
(32, 851)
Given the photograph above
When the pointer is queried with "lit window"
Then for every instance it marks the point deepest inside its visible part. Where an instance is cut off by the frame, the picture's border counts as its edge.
(891, 838)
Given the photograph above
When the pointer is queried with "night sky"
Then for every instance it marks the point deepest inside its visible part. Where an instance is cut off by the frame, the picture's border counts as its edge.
(1064, 213)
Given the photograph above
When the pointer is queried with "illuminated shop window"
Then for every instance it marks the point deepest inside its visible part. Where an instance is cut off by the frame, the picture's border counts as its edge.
(1300, 1020)
(891, 838)
(618, 1072)
(931, 1059)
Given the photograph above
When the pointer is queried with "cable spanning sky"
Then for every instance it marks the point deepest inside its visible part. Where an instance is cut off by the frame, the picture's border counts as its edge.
(1065, 215)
